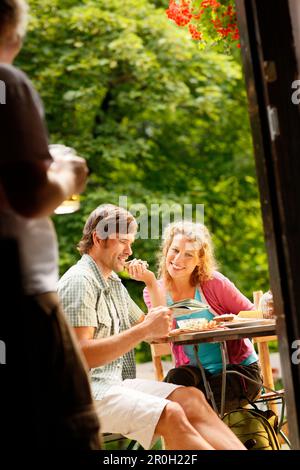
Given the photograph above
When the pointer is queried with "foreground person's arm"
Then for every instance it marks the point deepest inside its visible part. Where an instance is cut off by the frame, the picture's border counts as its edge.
(33, 186)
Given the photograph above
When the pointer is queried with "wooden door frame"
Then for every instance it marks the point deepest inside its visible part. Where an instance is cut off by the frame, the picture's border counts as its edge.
(270, 67)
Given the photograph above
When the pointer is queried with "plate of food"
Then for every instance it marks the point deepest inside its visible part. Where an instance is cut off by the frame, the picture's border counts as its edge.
(194, 326)
(193, 323)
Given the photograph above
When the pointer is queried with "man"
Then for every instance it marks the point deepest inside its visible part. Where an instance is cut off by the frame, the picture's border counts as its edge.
(109, 325)
(46, 388)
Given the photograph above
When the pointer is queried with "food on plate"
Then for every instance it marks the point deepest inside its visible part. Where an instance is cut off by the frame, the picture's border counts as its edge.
(224, 318)
(194, 325)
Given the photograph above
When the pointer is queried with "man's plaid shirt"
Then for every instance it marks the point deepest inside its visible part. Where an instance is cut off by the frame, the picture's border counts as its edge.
(90, 300)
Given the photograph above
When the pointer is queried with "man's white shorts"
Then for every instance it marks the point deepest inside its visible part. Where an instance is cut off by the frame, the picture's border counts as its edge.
(133, 409)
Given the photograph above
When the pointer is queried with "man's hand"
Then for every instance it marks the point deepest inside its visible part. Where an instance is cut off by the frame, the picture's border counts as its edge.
(159, 322)
(101, 351)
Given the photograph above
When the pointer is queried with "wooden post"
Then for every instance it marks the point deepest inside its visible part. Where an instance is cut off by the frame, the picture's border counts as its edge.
(270, 49)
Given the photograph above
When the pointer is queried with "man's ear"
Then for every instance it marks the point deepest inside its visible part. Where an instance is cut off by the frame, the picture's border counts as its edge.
(98, 241)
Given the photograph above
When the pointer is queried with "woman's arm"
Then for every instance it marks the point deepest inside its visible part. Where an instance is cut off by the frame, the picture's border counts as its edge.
(224, 297)
(155, 293)
(235, 300)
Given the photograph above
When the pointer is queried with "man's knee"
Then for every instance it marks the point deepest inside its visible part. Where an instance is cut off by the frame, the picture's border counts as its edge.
(173, 417)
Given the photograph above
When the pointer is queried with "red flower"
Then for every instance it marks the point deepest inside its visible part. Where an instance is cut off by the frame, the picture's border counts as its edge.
(197, 35)
(180, 13)
(222, 18)
(210, 3)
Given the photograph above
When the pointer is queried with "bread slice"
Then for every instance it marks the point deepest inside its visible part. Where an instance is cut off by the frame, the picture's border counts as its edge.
(250, 314)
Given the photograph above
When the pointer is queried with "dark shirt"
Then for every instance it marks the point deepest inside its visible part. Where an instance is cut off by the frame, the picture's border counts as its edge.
(24, 146)
(23, 134)
(23, 130)
(46, 400)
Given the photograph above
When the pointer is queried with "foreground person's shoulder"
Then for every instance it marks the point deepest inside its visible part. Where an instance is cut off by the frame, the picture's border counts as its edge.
(10, 74)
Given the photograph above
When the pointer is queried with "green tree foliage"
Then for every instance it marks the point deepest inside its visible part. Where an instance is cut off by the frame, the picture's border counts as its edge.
(158, 119)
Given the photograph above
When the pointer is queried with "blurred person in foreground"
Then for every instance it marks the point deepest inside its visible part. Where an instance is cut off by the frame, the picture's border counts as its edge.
(46, 388)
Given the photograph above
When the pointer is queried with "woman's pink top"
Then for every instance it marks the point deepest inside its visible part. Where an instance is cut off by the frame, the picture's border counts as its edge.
(223, 297)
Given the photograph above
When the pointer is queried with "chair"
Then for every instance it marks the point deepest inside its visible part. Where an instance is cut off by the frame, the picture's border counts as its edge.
(264, 360)
(157, 351)
(114, 437)
(270, 399)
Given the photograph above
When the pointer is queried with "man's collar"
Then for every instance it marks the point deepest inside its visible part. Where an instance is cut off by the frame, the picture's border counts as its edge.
(114, 277)
(97, 270)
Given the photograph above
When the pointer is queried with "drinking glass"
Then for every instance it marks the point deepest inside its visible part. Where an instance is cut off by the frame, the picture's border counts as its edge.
(72, 204)
(266, 305)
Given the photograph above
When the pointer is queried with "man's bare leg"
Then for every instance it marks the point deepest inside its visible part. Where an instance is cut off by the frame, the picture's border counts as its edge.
(178, 432)
(202, 417)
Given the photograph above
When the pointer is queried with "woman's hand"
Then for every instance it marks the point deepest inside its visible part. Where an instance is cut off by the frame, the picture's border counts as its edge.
(138, 270)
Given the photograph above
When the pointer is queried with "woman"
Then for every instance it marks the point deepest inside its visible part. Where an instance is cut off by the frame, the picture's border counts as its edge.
(188, 270)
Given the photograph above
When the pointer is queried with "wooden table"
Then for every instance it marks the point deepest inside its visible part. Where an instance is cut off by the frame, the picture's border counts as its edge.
(268, 329)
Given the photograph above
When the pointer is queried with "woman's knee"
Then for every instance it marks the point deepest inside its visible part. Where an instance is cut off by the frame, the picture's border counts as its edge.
(192, 400)
(183, 375)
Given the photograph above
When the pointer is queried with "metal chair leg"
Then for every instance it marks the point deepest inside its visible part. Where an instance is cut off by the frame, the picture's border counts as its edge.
(208, 390)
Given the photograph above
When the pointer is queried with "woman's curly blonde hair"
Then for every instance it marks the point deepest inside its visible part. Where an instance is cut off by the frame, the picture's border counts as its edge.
(199, 235)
